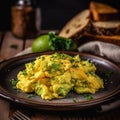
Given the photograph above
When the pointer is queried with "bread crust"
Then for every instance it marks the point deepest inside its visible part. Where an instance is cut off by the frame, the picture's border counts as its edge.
(106, 31)
(77, 25)
(102, 12)
(108, 28)
(115, 39)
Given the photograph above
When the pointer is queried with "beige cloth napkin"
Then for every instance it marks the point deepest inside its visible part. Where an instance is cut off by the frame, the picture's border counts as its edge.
(107, 50)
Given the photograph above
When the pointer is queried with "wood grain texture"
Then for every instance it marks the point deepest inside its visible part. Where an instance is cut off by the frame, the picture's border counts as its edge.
(11, 45)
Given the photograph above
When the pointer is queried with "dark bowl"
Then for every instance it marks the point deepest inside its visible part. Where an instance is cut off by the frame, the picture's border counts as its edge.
(73, 101)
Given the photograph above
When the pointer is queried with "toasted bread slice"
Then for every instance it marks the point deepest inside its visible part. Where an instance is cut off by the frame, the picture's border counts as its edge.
(108, 28)
(76, 25)
(115, 39)
(102, 12)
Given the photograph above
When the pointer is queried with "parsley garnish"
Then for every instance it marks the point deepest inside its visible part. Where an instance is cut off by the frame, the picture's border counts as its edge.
(55, 66)
(88, 97)
(108, 74)
(14, 46)
(31, 95)
(14, 82)
(24, 72)
(60, 43)
(74, 100)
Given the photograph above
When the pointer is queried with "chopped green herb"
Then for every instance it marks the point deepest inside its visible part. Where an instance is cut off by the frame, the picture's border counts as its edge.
(24, 72)
(61, 92)
(85, 84)
(92, 73)
(75, 65)
(14, 82)
(31, 95)
(88, 97)
(74, 100)
(55, 66)
(60, 43)
(53, 78)
(83, 64)
(14, 46)
(72, 60)
(43, 58)
(108, 74)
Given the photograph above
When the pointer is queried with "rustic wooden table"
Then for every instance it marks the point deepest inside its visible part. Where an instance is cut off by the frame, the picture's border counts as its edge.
(9, 47)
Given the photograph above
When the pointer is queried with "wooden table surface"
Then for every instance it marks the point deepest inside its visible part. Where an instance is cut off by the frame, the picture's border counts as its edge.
(9, 47)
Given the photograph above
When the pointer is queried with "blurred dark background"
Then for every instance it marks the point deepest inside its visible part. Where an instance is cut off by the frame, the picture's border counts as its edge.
(54, 13)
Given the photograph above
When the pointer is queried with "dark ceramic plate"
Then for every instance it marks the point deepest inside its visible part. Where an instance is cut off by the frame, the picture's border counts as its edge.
(105, 69)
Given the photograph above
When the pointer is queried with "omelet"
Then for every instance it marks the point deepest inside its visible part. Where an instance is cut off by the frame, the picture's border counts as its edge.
(54, 76)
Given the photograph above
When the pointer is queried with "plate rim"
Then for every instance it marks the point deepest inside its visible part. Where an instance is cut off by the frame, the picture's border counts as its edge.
(74, 105)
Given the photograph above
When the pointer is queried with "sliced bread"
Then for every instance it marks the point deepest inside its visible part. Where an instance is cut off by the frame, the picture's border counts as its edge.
(106, 28)
(102, 12)
(77, 25)
(115, 39)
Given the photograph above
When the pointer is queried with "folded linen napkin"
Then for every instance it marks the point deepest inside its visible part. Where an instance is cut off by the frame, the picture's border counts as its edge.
(107, 50)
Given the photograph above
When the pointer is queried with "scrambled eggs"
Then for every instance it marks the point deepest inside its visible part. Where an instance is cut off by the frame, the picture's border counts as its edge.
(55, 75)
